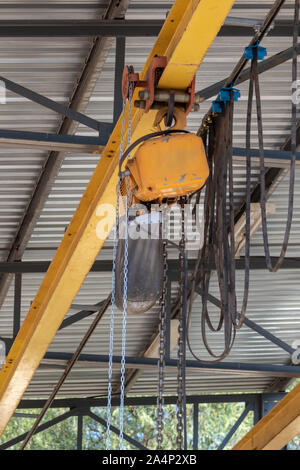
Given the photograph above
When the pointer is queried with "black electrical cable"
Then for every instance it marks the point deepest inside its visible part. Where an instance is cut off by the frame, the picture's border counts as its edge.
(293, 156)
(239, 321)
(147, 137)
(216, 243)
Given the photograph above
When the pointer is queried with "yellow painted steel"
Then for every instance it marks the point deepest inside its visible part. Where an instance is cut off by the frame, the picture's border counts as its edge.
(85, 236)
(277, 428)
(210, 14)
(169, 167)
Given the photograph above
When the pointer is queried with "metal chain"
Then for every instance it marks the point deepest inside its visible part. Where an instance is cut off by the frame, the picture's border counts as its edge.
(181, 345)
(162, 350)
(125, 282)
(113, 290)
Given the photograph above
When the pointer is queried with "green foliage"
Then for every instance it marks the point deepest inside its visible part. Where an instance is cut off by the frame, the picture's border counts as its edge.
(59, 437)
(215, 420)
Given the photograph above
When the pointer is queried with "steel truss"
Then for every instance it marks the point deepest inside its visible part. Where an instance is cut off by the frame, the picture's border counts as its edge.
(104, 130)
(86, 144)
(259, 404)
(289, 371)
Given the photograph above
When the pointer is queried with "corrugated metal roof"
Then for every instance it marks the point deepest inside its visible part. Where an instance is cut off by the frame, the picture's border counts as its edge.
(50, 66)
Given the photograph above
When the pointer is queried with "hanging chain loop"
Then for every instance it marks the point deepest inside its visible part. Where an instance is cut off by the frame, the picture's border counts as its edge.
(125, 284)
(181, 418)
(162, 349)
(113, 291)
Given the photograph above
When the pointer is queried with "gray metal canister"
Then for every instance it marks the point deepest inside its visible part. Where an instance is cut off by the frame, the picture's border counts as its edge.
(145, 263)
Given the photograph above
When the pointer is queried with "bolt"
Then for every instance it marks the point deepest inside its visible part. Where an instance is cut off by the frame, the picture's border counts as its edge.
(144, 94)
(140, 104)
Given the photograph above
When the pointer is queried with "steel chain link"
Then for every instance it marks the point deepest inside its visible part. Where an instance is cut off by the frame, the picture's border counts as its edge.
(180, 371)
(162, 345)
(113, 290)
(125, 282)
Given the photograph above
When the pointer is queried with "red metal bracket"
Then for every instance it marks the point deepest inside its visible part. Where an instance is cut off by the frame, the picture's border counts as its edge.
(152, 76)
(150, 82)
(191, 92)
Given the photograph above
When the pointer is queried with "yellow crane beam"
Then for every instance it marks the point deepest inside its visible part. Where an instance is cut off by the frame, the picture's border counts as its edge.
(277, 428)
(188, 32)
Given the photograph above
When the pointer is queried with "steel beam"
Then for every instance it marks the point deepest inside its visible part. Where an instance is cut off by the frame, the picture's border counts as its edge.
(250, 398)
(80, 315)
(87, 144)
(80, 28)
(81, 243)
(239, 368)
(25, 415)
(272, 158)
(256, 263)
(195, 426)
(134, 6)
(119, 67)
(117, 28)
(277, 428)
(265, 333)
(79, 431)
(262, 66)
(58, 142)
(237, 6)
(251, 324)
(50, 104)
(51, 6)
(281, 28)
(235, 427)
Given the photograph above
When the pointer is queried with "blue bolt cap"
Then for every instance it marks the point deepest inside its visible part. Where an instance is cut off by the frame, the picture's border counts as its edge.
(216, 107)
(261, 52)
(225, 94)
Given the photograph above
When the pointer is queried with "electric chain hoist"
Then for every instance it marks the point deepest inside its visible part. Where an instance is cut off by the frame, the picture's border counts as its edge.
(163, 166)
(170, 165)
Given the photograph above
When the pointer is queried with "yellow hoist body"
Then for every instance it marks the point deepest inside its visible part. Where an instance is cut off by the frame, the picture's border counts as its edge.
(168, 166)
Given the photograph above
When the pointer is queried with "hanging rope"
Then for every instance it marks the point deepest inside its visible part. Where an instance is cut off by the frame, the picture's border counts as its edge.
(219, 219)
(293, 154)
(218, 244)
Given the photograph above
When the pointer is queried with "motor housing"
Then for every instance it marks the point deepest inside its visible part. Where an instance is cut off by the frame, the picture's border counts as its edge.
(168, 166)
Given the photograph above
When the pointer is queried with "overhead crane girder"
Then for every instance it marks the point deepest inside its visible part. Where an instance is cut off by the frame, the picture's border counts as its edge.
(188, 32)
